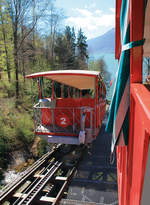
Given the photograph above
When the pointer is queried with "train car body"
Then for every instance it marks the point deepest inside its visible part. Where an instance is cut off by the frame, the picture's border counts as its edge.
(74, 112)
(133, 153)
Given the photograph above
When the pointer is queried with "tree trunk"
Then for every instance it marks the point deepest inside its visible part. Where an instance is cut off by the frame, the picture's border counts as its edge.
(7, 64)
(6, 51)
(23, 70)
(16, 63)
(17, 73)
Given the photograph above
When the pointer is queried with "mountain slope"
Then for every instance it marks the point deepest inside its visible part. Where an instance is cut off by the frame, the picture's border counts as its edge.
(102, 44)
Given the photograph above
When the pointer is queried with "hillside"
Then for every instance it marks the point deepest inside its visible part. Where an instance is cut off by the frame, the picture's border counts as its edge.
(102, 44)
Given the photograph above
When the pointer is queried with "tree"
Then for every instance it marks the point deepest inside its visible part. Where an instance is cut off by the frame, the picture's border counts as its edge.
(19, 11)
(53, 18)
(6, 38)
(82, 54)
(70, 39)
(65, 49)
(100, 65)
(60, 50)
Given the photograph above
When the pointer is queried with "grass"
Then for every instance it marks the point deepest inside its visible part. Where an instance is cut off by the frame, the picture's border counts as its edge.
(16, 122)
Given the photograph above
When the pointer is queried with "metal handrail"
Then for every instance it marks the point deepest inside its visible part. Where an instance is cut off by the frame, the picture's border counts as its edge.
(39, 117)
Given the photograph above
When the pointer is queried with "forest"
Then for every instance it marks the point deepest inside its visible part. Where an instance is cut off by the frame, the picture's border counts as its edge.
(33, 38)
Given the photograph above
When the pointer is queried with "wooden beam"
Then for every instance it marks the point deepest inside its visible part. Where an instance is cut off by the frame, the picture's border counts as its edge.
(47, 199)
(19, 195)
(61, 178)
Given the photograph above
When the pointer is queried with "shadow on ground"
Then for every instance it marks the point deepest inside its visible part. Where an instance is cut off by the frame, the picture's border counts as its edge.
(96, 179)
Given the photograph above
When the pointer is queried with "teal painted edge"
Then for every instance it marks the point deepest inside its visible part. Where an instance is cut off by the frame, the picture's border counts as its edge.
(133, 44)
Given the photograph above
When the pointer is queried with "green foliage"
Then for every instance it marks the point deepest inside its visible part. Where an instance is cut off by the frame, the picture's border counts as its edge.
(24, 129)
(70, 39)
(100, 65)
(82, 53)
(42, 147)
(16, 130)
(61, 50)
(6, 41)
(3, 150)
(71, 54)
(5, 142)
(9, 88)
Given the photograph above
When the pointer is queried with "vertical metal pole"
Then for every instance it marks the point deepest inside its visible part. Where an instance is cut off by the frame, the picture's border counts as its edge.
(40, 94)
(52, 110)
(68, 93)
(96, 91)
(61, 91)
(52, 89)
(77, 93)
(73, 120)
(99, 90)
(34, 117)
(81, 117)
(73, 94)
(32, 91)
(95, 105)
(34, 114)
(91, 119)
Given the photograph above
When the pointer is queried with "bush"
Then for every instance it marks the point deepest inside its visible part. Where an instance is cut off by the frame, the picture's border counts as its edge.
(24, 129)
(4, 152)
(9, 88)
(42, 147)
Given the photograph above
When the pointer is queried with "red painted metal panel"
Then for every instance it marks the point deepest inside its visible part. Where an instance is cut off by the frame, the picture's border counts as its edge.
(141, 122)
(55, 134)
(71, 109)
(142, 98)
(117, 31)
(135, 153)
(122, 173)
(131, 162)
(46, 116)
(136, 33)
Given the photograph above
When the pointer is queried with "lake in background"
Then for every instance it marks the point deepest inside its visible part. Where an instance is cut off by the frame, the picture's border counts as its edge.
(109, 59)
(111, 64)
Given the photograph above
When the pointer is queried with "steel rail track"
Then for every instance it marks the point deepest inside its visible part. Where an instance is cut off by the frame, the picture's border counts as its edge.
(42, 182)
(11, 188)
(32, 192)
(32, 184)
(68, 180)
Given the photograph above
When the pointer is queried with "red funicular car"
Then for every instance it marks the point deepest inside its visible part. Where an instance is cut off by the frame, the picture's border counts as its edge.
(74, 110)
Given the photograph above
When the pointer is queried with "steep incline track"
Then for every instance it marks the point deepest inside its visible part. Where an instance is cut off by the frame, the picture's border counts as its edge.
(46, 179)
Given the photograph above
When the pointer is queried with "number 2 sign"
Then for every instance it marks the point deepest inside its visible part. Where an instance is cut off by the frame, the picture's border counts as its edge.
(63, 120)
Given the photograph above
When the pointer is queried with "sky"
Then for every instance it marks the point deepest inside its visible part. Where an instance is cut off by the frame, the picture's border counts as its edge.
(95, 17)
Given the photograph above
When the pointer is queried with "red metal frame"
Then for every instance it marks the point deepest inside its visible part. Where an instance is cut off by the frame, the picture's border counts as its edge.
(55, 134)
(117, 33)
(131, 159)
(40, 92)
